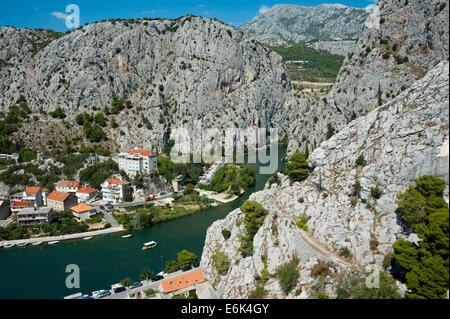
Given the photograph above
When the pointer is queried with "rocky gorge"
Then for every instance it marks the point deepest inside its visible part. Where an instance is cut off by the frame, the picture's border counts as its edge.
(393, 114)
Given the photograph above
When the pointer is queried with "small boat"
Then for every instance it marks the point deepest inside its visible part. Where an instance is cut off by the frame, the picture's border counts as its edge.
(22, 244)
(87, 238)
(37, 244)
(106, 235)
(126, 236)
(53, 242)
(149, 245)
(8, 245)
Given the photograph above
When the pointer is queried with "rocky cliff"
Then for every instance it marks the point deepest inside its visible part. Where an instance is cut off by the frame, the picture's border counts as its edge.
(401, 140)
(399, 44)
(172, 72)
(302, 23)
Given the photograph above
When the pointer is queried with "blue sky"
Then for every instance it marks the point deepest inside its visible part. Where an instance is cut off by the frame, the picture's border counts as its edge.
(49, 14)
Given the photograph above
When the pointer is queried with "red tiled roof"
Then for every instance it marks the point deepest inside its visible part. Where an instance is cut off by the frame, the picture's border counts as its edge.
(115, 181)
(142, 152)
(68, 184)
(58, 196)
(21, 204)
(183, 281)
(32, 190)
(82, 208)
(86, 190)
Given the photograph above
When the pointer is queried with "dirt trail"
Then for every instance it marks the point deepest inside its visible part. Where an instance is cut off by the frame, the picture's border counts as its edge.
(317, 246)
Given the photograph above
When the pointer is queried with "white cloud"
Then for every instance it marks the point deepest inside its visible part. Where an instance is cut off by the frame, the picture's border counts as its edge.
(263, 9)
(60, 15)
(148, 12)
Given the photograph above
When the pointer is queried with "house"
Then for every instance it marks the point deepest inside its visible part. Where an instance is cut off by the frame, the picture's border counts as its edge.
(4, 210)
(33, 194)
(16, 207)
(67, 186)
(114, 190)
(182, 284)
(85, 194)
(60, 201)
(82, 212)
(35, 216)
(137, 161)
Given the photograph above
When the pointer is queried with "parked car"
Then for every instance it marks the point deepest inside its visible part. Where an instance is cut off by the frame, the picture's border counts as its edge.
(102, 208)
(118, 288)
(157, 278)
(104, 294)
(186, 268)
(135, 285)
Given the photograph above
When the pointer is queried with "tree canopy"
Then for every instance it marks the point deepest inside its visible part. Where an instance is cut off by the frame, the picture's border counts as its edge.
(424, 267)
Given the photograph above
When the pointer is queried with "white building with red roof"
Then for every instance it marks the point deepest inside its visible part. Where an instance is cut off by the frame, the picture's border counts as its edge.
(114, 190)
(18, 206)
(137, 161)
(30, 194)
(68, 186)
(85, 194)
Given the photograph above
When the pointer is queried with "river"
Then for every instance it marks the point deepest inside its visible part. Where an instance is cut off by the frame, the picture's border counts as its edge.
(40, 271)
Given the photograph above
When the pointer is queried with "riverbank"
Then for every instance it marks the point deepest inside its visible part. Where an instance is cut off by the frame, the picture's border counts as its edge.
(65, 237)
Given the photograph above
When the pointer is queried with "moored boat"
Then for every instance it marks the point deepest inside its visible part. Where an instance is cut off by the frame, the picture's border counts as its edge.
(126, 236)
(87, 238)
(106, 235)
(37, 244)
(8, 245)
(53, 242)
(22, 244)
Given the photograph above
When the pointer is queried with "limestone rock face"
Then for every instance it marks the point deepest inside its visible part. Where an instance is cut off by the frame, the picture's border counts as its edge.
(172, 71)
(399, 43)
(302, 23)
(400, 141)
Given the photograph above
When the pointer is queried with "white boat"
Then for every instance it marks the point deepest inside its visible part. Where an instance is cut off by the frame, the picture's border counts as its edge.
(87, 238)
(149, 245)
(8, 245)
(37, 244)
(53, 242)
(22, 244)
(127, 236)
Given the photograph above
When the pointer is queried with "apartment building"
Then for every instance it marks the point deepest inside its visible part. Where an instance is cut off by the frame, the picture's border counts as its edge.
(137, 161)
(35, 216)
(17, 206)
(114, 190)
(30, 194)
(85, 194)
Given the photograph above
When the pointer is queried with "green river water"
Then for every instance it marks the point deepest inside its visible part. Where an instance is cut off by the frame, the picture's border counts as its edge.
(39, 271)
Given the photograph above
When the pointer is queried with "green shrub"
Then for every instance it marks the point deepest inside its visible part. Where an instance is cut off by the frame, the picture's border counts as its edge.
(287, 275)
(221, 262)
(375, 192)
(226, 233)
(172, 266)
(253, 220)
(424, 268)
(297, 167)
(360, 161)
